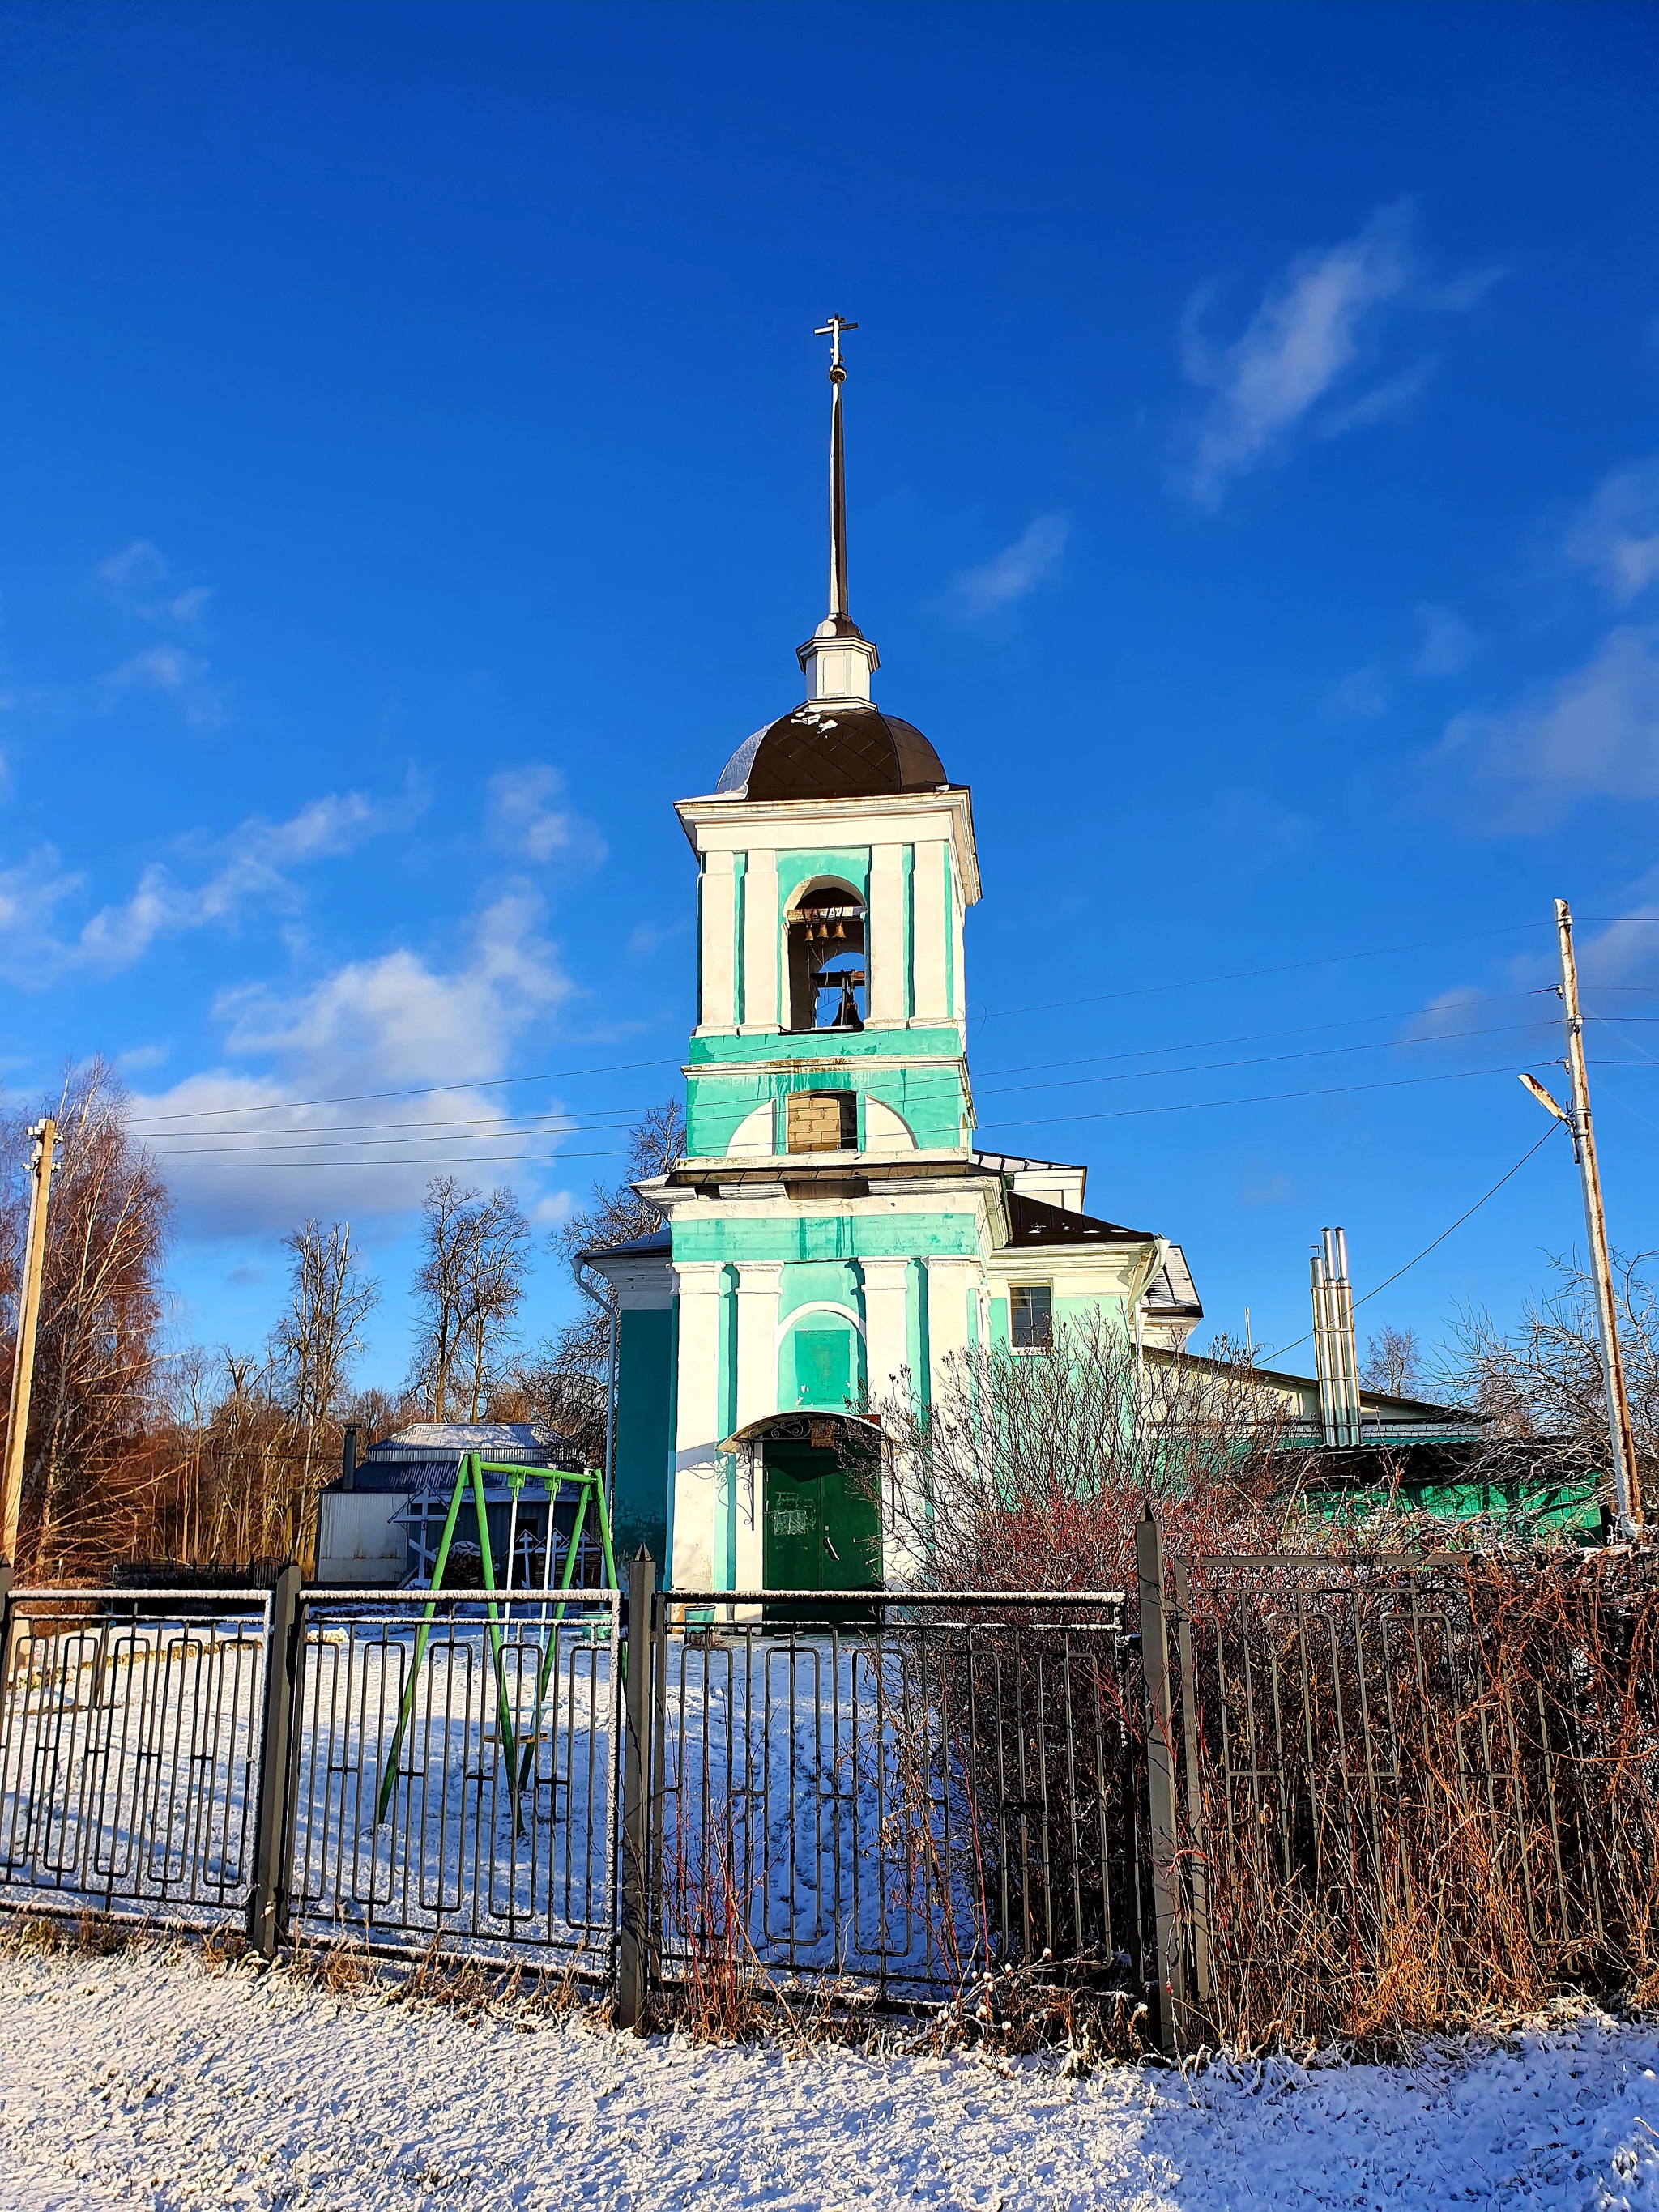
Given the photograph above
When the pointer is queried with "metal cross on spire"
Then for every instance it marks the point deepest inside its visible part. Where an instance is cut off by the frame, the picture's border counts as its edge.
(832, 329)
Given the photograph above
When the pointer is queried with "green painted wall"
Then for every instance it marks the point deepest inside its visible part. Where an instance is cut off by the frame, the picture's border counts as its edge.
(820, 1362)
(850, 862)
(837, 1282)
(918, 1345)
(944, 1042)
(831, 1236)
(740, 902)
(931, 1101)
(644, 1378)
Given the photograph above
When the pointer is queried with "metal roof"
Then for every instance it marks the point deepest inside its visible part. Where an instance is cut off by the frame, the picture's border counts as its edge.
(821, 750)
(1033, 1221)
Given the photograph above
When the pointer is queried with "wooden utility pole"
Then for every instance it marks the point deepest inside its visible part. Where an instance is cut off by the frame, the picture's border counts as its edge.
(1628, 1488)
(41, 1163)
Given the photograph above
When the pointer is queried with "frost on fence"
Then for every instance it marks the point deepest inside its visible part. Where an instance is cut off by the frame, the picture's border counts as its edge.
(129, 1743)
(901, 1806)
(411, 1838)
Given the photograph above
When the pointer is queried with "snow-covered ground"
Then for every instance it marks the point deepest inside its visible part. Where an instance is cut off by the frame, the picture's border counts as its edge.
(146, 2080)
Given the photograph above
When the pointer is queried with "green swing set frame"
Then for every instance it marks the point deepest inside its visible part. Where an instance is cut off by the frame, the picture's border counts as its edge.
(470, 1478)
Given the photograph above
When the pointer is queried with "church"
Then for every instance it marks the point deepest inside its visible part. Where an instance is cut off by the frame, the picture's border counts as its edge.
(832, 1229)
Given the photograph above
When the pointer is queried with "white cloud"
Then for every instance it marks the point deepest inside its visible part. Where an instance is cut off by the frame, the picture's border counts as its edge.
(1360, 696)
(1255, 832)
(1445, 643)
(1015, 572)
(388, 1025)
(30, 894)
(1627, 950)
(1315, 326)
(1385, 403)
(249, 868)
(137, 570)
(1616, 533)
(177, 675)
(1594, 734)
(135, 576)
(522, 818)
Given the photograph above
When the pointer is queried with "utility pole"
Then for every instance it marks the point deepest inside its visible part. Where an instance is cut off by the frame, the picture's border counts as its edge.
(1626, 1483)
(41, 1163)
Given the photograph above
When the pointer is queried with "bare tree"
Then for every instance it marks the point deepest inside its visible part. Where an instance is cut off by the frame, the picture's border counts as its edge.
(1029, 1469)
(564, 1381)
(468, 1289)
(88, 1468)
(319, 1333)
(1540, 1385)
(1393, 1363)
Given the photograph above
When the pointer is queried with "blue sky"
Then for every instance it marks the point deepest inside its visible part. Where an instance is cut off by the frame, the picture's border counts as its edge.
(412, 438)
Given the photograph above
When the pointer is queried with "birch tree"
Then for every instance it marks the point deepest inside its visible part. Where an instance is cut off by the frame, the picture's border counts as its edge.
(468, 1291)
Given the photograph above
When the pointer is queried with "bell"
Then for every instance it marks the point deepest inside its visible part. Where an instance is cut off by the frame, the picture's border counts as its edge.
(838, 932)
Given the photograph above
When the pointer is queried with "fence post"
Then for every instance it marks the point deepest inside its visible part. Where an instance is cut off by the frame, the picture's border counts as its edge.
(267, 1904)
(634, 1923)
(5, 1626)
(1197, 1842)
(1160, 1785)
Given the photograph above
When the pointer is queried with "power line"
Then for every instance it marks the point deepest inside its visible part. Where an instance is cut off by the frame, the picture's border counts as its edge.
(421, 1091)
(1249, 974)
(592, 1118)
(572, 1074)
(1118, 1113)
(1266, 1098)
(1262, 1059)
(1279, 1351)
(325, 1139)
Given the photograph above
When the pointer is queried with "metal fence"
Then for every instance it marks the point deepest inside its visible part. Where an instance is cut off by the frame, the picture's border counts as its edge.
(130, 1749)
(895, 1795)
(891, 1795)
(455, 1775)
(1462, 1750)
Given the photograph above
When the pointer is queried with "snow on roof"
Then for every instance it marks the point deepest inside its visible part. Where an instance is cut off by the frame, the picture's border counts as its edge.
(528, 1441)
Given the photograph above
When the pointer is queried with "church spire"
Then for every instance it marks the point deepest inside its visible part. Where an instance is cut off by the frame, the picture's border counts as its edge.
(838, 660)
(832, 331)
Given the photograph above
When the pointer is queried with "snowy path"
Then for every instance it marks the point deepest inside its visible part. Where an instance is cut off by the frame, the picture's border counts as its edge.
(142, 2080)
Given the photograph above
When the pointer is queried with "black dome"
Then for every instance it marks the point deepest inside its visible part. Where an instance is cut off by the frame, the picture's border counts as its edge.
(831, 750)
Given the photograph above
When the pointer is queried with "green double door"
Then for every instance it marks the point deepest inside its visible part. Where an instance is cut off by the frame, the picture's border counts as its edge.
(822, 1520)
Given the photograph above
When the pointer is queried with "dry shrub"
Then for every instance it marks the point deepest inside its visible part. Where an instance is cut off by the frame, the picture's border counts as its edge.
(77, 1934)
(470, 1988)
(1030, 1470)
(720, 1992)
(1430, 1794)
(1018, 2010)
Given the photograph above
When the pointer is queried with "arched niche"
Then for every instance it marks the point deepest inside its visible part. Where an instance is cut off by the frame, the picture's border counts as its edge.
(826, 935)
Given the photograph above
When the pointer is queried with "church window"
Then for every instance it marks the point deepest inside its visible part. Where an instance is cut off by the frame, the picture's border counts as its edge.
(1031, 1316)
(824, 1122)
(826, 946)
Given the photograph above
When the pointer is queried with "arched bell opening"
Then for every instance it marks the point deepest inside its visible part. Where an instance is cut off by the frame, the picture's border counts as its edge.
(827, 940)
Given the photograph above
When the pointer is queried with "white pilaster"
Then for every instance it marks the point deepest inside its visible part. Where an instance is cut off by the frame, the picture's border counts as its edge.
(758, 1283)
(697, 1471)
(951, 1282)
(719, 932)
(885, 1333)
(932, 1000)
(885, 958)
(760, 932)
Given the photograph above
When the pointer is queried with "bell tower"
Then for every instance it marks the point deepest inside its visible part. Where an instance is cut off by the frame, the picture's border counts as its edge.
(832, 1239)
